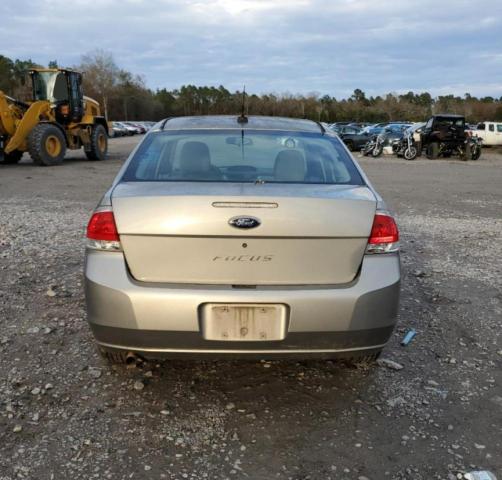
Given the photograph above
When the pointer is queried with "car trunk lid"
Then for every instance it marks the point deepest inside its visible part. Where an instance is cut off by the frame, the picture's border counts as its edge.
(181, 233)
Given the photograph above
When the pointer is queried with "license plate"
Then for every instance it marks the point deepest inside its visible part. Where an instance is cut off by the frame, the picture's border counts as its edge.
(244, 322)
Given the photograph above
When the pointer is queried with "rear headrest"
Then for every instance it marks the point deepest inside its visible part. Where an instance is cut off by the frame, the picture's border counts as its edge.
(290, 166)
(195, 157)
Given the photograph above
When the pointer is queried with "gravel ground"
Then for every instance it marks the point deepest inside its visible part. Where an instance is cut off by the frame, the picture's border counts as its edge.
(65, 414)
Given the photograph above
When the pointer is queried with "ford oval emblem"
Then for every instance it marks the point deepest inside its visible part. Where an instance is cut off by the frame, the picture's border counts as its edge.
(244, 222)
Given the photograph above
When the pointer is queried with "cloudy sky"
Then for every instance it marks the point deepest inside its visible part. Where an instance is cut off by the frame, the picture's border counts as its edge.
(296, 46)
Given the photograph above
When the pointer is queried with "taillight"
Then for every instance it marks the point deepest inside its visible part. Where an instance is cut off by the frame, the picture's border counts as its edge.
(384, 236)
(102, 232)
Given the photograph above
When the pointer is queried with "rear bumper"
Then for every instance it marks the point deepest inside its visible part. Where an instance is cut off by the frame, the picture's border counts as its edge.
(191, 344)
(163, 319)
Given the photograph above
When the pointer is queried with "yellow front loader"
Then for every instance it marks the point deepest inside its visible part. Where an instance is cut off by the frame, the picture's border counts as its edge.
(57, 118)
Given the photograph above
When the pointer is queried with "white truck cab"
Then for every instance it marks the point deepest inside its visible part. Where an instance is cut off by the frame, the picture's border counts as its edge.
(489, 132)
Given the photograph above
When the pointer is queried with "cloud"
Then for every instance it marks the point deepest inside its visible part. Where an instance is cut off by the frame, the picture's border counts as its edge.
(272, 45)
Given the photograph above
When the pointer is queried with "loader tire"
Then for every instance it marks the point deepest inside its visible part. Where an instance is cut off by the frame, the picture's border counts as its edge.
(99, 144)
(11, 158)
(47, 145)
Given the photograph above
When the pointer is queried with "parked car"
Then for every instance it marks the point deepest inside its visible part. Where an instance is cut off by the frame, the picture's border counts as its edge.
(117, 130)
(130, 130)
(139, 128)
(489, 132)
(239, 236)
(355, 138)
(374, 129)
(444, 135)
(146, 125)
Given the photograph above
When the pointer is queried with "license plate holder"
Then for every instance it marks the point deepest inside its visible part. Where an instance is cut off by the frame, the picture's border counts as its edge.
(246, 322)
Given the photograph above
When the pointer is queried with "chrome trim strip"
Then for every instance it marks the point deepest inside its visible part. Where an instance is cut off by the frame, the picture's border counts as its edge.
(240, 351)
(244, 204)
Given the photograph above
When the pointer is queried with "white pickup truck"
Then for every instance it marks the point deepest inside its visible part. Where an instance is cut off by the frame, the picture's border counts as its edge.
(489, 132)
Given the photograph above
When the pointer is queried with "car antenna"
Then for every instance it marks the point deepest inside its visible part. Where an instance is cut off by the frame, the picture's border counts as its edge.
(242, 118)
(323, 130)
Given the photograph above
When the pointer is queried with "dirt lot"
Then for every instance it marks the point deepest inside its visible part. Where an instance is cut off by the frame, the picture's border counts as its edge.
(65, 414)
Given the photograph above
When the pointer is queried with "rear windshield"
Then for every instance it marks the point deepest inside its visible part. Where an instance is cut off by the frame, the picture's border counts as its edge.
(242, 156)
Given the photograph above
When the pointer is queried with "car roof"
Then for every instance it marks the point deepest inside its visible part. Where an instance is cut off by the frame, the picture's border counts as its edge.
(254, 122)
(451, 115)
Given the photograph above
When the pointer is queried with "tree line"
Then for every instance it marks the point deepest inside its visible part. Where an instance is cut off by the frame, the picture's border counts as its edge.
(125, 96)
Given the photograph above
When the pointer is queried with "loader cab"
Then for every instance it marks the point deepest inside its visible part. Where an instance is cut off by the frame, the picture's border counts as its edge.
(63, 89)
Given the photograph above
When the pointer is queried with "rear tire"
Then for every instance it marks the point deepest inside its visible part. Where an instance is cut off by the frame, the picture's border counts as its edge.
(99, 144)
(11, 158)
(47, 145)
(432, 151)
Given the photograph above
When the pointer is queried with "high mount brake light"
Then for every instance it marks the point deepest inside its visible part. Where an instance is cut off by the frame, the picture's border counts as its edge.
(102, 232)
(384, 236)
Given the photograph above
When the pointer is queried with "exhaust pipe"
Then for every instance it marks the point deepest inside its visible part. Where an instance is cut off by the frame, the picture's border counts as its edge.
(132, 359)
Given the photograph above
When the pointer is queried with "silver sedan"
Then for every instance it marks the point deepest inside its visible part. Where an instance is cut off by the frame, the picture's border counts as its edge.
(252, 237)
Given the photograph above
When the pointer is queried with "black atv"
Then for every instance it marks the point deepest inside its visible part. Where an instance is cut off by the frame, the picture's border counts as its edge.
(444, 135)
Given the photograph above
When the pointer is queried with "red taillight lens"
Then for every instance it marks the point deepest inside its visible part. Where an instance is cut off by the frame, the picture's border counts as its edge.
(384, 236)
(384, 230)
(102, 227)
